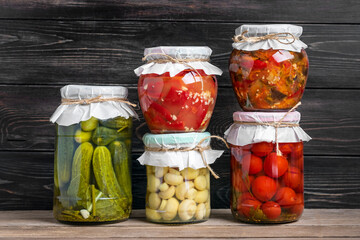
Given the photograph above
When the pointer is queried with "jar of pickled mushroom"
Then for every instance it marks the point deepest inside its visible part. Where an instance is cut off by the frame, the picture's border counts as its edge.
(268, 66)
(92, 181)
(177, 88)
(178, 178)
(267, 168)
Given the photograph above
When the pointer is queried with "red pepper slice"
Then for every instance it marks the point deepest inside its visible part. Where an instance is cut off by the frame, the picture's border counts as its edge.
(258, 64)
(161, 110)
(176, 96)
(158, 123)
(153, 88)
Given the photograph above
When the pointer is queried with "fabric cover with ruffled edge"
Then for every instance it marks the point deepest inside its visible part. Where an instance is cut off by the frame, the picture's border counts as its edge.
(177, 53)
(240, 134)
(262, 30)
(66, 115)
(177, 159)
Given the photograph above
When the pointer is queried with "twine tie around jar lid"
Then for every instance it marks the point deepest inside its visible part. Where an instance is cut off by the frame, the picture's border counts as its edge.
(280, 37)
(98, 99)
(276, 125)
(198, 148)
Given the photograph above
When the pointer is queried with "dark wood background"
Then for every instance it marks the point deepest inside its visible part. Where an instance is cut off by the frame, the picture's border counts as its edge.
(47, 44)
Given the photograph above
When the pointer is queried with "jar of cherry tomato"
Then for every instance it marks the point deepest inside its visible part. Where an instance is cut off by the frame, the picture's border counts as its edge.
(177, 88)
(267, 179)
(268, 66)
(178, 180)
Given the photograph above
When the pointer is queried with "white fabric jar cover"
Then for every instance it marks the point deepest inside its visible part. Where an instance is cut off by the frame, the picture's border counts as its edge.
(177, 159)
(240, 134)
(66, 115)
(263, 30)
(179, 53)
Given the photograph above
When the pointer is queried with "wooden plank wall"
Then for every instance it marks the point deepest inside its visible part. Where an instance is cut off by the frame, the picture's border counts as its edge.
(47, 44)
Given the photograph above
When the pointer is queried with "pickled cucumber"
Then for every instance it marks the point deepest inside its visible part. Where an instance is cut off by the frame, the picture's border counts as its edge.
(103, 136)
(89, 125)
(82, 136)
(80, 175)
(63, 155)
(117, 123)
(106, 178)
(119, 156)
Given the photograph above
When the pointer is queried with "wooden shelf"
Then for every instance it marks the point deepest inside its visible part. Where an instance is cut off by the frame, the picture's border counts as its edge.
(315, 223)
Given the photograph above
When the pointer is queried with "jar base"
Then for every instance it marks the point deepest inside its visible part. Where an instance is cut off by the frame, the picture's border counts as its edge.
(177, 223)
(281, 220)
(83, 223)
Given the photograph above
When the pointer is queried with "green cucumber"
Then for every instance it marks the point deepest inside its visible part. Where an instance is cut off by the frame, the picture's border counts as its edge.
(80, 175)
(120, 161)
(63, 155)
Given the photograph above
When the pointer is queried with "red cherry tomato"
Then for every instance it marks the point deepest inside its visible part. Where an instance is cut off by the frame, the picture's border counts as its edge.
(285, 196)
(262, 149)
(240, 183)
(285, 148)
(300, 188)
(292, 178)
(263, 188)
(245, 207)
(251, 164)
(275, 166)
(246, 196)
(298, 208)
(271, 209)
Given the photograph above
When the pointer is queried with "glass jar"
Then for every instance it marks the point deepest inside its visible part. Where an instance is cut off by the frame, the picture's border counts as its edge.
(174, 196)
(178, 181)
(267, 184)
(92, 181)
(177, 97)
(269, 75)
(266, 188)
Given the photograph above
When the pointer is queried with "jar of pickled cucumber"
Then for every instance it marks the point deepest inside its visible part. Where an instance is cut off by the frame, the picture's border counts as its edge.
(177, 88)
(268, 67)
(267, 173)
(92, 181)
(178, 180)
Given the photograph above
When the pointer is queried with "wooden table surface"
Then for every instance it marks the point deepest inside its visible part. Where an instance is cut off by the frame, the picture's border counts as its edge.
(315, 223)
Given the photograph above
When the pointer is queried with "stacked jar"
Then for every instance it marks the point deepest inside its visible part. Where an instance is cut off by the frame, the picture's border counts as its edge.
(92, 181)
(177, 91)
(268, 69)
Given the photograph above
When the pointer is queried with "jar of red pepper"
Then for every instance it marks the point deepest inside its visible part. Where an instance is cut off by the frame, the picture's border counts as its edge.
(177, 88)
(268, 66)
(267, 178)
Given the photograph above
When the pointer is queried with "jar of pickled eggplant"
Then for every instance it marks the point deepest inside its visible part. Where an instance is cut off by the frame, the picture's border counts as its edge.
(92, 181)
(178, 180)
(268, 66)
(177, 88)
(267, 174)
